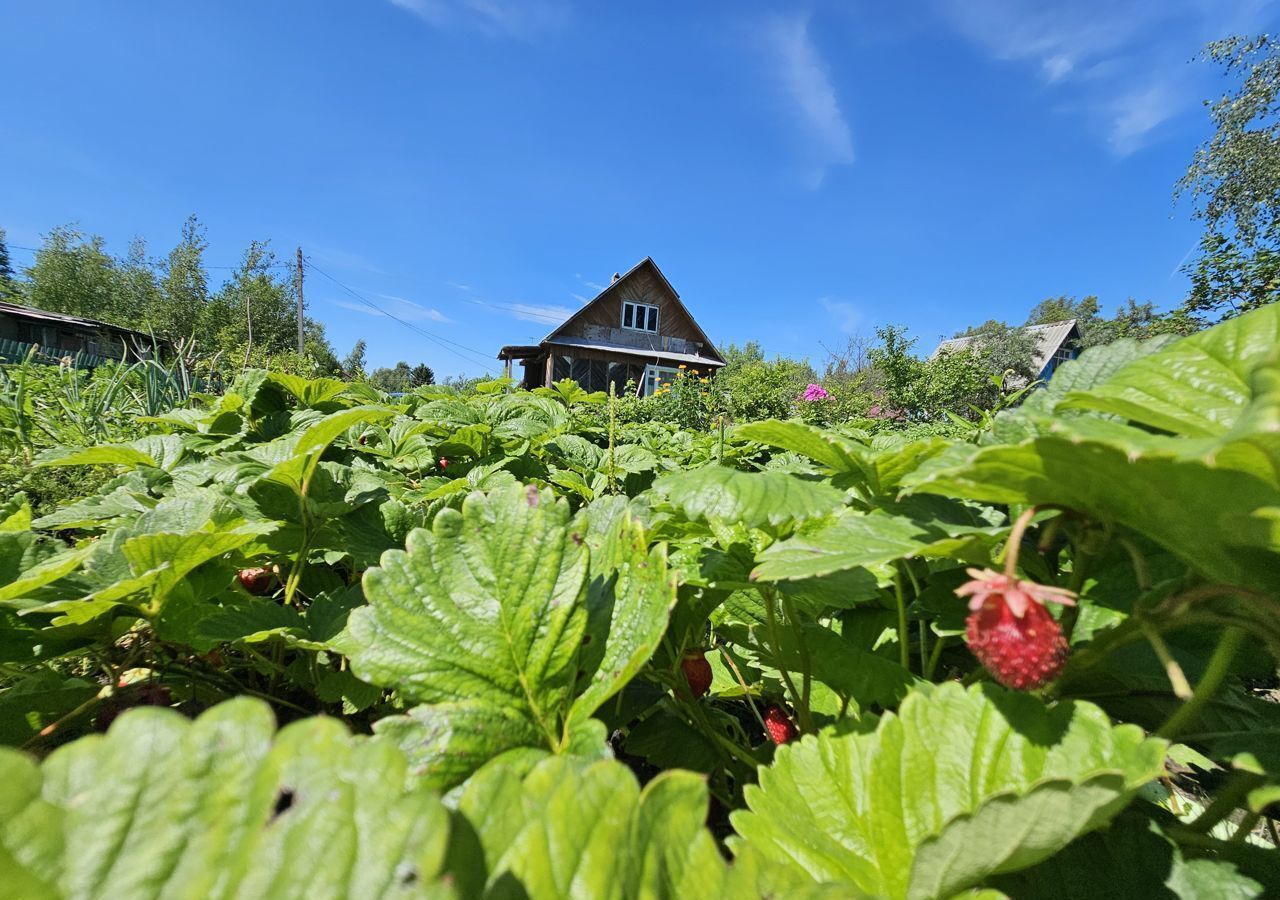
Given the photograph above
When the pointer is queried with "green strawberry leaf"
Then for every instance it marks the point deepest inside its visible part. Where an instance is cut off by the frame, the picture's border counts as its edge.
(509, 611)
(753, 499)
(218, 808)
(1196, 386)
(568, 829)
(956, 787)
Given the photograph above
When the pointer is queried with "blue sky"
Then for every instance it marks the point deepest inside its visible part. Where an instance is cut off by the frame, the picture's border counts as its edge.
(801, 172)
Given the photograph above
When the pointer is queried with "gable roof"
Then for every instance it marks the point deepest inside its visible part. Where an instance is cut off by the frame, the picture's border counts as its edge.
(1052, 336)
(708, 347)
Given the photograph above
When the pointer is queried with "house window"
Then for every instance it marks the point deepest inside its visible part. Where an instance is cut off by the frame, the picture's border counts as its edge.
(639, 316)
(1063, 354)
(656, 376)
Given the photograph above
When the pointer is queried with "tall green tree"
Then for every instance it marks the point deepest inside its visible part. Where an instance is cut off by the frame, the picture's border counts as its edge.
(8, 283)
(393, 380)
(1234, 179)
(1235, 175)
(73, 273)
(255, 306)
(138, 291)
(353, 364)
(421, 375)
(185, 285)
(1085, 310)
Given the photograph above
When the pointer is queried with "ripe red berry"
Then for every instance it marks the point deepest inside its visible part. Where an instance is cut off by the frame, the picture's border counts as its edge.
(444, 463)
(697, 672)
(257, 580)
(1010, 630)
(779, 724)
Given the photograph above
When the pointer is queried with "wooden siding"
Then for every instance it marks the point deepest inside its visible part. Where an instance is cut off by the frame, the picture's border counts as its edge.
(602, 321)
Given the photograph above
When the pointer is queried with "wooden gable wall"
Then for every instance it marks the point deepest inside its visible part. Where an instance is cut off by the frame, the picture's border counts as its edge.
(601, 320)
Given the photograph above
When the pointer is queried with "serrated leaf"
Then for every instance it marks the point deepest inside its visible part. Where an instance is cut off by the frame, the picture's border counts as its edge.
(754, 499)
(571, 830)
(630, 594)
(1196, 386)
(510, 610)
(853, 540)
(488, 605)
(835, 451)
(1132, 858)
(891, 813)
(220, 809)
(157, 451)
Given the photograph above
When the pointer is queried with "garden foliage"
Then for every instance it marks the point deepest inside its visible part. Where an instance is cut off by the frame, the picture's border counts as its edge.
(341, 645)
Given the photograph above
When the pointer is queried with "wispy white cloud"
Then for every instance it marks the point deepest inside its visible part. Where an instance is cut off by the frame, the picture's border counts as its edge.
(521, 19)
(803, 77)
(1134, 115)
(844, 315)
(595, 286)
(580, 298)
(343, 259)
(1122, 65)
(397, 306)
(536, 312)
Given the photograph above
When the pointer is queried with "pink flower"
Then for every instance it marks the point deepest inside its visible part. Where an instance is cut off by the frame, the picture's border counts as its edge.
(814, 392)
(1019, 595)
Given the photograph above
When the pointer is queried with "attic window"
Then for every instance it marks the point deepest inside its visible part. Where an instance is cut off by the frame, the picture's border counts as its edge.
(639, 316)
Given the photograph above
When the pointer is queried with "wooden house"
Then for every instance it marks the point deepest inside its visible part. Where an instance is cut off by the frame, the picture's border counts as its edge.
(637, 329)
(1057, 343)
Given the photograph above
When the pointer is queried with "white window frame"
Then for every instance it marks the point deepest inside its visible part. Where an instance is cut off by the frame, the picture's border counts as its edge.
(643, 309)
(656, 375)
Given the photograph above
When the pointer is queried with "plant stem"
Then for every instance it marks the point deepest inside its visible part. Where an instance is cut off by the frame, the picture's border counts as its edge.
(1219, 663)
(1226, 801)
(932, 665)
(922, 628)
(1246, 825)
(1177, 678)
(806, 668)
(771, 623)
(55, 725)
(904, 651)
(733, 667)
(1014, 544)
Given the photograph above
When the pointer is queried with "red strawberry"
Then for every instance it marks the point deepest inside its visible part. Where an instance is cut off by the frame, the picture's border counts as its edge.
(444, 463)
(1010, 630)
(697, 672)
(257, 580)
(779, 724)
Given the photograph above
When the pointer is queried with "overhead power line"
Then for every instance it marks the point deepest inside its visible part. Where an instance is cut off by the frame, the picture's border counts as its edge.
(478, 356)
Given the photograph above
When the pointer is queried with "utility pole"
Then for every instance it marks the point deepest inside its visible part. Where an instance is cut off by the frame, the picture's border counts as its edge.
(297, 281)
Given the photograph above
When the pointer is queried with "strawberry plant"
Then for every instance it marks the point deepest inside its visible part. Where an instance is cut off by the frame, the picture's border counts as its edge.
(495, 643)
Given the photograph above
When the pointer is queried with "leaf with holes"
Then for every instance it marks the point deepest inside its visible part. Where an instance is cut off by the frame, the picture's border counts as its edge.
(220, 809)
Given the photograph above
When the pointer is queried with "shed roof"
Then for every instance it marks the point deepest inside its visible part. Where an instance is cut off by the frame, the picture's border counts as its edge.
(42, 315)
(1052, 336)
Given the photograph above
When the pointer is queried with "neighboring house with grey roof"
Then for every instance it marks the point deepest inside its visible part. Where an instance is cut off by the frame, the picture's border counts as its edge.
(637, 329)
(1058, 342)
